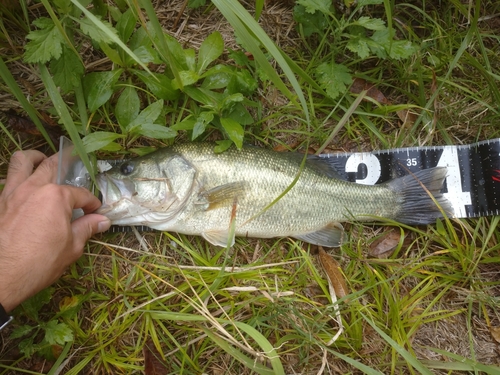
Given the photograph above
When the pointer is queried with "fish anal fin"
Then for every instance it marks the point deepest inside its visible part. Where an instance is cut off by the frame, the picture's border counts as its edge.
(329, 236)
(223, 195)
(219, 237)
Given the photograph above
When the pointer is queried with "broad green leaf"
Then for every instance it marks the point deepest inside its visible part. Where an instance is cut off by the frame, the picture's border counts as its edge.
(203, 96)
(242, 82)
(147, 55)
(188, 77)
(234, 131)
(370, 23)
(229, 100)
(63, 6)
(155, 131)
(333, 78)
(126, 25)
(27, 347)
(159, 84)
(177, 52)
(187, 124)
(369, 2)
(33, 305)
(402, 49)
(194, 4)
(222, 146)
(127, 107)
(190, 55)
(313, 5)
(57, 333)
(396, 49)
(140, 38)
(67, 70)
(240, 114)
(112, 54)
(217, 77)
(148, 115)
(99, 87)
(203, 119)
(210, 50)
(359, 46)
(45, 43)
(310, 23)
(95, 33)
(21, 331)
(98, 140)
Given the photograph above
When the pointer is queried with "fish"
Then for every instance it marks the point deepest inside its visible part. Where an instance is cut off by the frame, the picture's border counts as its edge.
(259, 193)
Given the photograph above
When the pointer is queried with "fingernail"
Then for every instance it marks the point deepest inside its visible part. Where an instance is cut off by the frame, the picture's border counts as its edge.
(103, 225)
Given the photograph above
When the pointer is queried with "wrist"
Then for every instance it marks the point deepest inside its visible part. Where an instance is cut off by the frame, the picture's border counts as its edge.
(5, 318)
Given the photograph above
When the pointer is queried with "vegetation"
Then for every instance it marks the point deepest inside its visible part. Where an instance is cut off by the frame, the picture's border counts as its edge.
(121, 78)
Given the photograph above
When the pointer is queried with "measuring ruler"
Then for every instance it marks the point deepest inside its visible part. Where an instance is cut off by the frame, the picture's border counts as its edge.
(472, 185)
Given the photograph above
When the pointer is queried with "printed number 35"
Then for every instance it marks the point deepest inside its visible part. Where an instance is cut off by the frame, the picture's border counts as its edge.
(411, 162)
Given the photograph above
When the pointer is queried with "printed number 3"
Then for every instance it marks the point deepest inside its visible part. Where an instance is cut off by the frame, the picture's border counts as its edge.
(411, 162)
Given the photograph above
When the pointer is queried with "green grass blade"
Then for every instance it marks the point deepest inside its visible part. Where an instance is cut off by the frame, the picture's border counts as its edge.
(60, 27)
(464, 362)
(245, 25)
(163, 47)
(414, 362)
(2, 126)
(16, 91)
(250, 363)
(110, 34)
(265, 345)
(63, 112)
(360, 366)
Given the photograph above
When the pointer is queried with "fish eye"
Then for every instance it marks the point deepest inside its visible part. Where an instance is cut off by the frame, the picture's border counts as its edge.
(127, 168)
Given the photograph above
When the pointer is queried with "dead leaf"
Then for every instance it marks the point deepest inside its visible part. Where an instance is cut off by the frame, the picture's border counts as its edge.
(407, 118)
(495, 333)
(334, 274)
(384, 246)
(154, 364)
(360, 84)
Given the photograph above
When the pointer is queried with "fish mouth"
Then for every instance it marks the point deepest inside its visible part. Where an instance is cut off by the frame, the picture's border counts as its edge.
(113, 192)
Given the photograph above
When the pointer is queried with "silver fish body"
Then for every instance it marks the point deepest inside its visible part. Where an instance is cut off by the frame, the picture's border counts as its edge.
(190, 189)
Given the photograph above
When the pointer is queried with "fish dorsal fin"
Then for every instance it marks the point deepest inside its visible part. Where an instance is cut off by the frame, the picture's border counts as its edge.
(221, 195)
(219, 237)
(320, 164)
(329, 236)
(324, 165)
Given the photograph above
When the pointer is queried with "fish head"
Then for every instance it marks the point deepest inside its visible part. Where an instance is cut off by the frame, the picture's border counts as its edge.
(145, 190)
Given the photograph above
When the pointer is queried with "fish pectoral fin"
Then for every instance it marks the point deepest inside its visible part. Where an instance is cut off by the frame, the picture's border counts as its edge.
(329, 236)
(221, 195)
(219, 237)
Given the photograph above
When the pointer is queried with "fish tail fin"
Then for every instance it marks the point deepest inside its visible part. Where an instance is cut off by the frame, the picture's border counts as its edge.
(422, 200)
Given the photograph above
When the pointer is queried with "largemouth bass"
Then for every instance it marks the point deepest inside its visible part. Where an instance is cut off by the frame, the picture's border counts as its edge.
(190, 189)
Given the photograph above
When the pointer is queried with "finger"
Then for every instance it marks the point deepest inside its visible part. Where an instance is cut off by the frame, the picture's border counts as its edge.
(21, 167)
(46, 172)
(82, 198)
(85, 227)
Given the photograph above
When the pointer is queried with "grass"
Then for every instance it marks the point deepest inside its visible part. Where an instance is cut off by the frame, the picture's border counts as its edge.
(264, 306)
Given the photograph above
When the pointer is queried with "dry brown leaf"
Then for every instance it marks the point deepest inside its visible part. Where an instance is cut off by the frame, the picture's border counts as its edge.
(495, 333)
(360, 84)
(407, 118)
(384, 246)
(335, 276)
(154, 364)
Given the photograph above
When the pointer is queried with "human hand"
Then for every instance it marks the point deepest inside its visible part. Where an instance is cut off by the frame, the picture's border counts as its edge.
(38, 241)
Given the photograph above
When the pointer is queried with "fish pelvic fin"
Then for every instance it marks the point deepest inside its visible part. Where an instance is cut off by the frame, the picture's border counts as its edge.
(329, 236)
(421, 196)
(218, 237)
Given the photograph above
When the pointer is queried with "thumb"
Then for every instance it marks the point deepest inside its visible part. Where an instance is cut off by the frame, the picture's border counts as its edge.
(85, 227)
